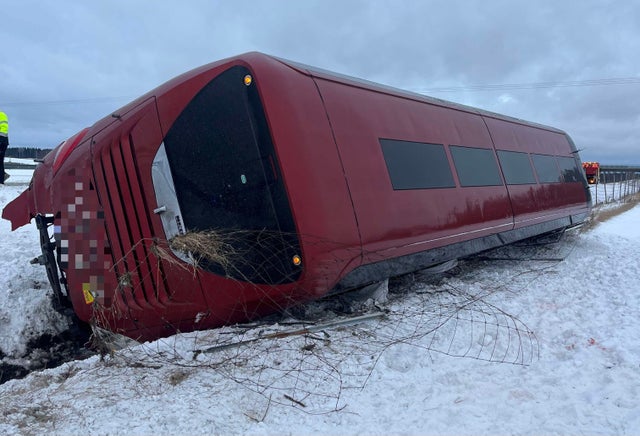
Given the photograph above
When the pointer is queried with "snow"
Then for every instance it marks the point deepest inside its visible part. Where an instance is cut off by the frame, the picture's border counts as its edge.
(19, 177)
(531, 345)
(21, 161)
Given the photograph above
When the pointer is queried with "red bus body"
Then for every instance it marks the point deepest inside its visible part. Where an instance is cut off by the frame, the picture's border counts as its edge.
(330, 151)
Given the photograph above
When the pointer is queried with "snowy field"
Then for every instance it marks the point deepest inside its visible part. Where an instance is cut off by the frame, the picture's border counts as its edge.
(605, 193)
(8, 161)
(526, 340)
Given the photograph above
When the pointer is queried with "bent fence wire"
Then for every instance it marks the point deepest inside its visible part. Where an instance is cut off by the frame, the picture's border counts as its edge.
(307, 357)
(309, 360)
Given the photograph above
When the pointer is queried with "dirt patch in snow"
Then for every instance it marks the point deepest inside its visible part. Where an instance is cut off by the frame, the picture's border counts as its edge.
(46, 351)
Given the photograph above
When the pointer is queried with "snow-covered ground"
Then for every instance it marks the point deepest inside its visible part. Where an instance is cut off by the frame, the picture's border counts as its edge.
(19, 177)
(20, 161)
(514, 342)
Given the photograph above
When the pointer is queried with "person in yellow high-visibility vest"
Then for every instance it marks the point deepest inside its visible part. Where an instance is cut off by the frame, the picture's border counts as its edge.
(4, 143)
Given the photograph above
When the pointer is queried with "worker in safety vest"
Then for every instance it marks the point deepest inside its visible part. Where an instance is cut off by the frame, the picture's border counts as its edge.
(4, 143)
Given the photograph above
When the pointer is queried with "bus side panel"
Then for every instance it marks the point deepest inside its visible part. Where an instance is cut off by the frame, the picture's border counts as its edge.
(396, 222)
(543, 201)
(313, 173)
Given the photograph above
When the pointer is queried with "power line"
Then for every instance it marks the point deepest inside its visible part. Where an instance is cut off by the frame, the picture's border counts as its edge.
(70, 101)
(485, 87)
(536, 85)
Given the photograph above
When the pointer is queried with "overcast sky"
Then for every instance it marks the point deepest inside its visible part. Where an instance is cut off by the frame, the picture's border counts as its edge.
(576, 63)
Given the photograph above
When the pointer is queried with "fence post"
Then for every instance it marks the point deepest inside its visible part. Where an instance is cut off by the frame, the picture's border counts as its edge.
(620, 193)
(613, 188)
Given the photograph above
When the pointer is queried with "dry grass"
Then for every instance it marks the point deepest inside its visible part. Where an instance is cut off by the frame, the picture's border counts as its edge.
(211, 246)
(605, 212)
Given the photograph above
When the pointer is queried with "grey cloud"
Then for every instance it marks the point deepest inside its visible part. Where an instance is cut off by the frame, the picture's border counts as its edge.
(90, 50)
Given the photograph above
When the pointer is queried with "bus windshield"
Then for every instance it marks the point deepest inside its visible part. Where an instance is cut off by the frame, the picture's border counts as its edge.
(227, 181)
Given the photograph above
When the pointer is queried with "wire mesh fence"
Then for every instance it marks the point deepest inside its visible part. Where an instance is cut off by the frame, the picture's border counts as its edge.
(615, 186)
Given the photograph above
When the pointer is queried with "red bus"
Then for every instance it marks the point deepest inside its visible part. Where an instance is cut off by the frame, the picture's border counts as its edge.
(305, 182)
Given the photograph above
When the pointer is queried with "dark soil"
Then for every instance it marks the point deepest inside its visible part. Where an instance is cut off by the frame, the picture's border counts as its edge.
(47, 351)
